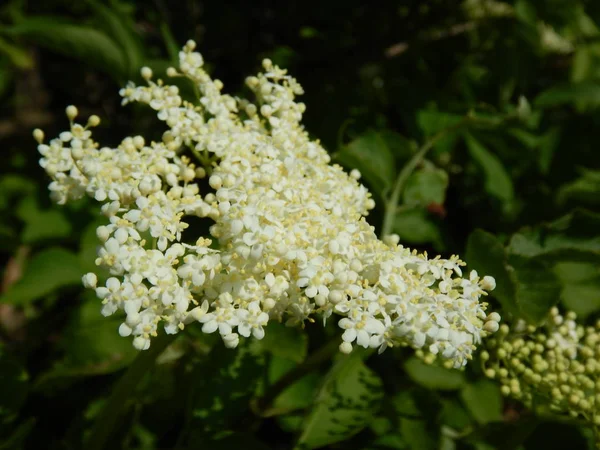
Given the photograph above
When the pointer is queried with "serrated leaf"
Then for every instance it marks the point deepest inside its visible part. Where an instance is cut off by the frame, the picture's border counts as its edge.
(350, 395)
(47, 271)
(433, 376)
(72, 40)
(370, 154)
(285, 342)
(483, 400)
(497, 181)
(426, 186)
(486, 254)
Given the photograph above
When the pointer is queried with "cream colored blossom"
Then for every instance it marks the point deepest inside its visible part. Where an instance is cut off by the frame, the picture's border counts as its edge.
(292, 237)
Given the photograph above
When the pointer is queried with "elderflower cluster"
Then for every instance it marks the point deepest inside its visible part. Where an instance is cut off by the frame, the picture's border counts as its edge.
(288, 235)
(556, 365)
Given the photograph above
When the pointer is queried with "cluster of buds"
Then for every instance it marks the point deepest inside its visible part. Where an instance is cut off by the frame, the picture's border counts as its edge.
(555, 365)
(288, 236)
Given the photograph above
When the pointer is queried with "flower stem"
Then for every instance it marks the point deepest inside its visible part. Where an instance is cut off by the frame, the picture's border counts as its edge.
(391, 205)
(117, 403)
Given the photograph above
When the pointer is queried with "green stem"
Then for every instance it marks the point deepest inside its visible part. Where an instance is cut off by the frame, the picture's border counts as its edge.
(391, 205)
(262, 406)
(115, 406)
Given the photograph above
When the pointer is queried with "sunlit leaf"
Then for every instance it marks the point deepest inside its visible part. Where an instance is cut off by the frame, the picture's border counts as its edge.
(350, 395)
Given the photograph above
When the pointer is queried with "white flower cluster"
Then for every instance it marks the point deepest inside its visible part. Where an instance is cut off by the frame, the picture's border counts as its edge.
(558, 362)
(292, 237)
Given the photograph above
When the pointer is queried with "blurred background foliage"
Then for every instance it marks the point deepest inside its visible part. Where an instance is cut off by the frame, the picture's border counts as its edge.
(508, 93)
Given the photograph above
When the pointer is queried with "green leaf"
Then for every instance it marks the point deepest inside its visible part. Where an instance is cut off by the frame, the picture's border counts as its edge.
(18, 56)
(415, 226)
(419, 434)
(92, 339)
(483, 400)
(401, 147)
(584, 190)
(432, 122)
(120, 29)
(18, 436)
(585, 93)
(580, 282)
(486, 254)
(75, 41)
(538, 288)
(225, 383)
(170, 43)
(47, 271)
(285, 342)
(433, 376)
(289, 405)
(350, 395)
(497, 180)
(575, 233)
(48, 224)
(426, 186)
(370, 154)
(454, 415)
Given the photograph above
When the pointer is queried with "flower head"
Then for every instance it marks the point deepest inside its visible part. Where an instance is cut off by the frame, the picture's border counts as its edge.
(290, 228)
